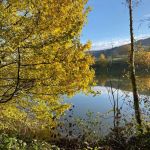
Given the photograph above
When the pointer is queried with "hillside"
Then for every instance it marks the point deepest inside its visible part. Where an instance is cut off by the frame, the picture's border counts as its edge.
(121, 51)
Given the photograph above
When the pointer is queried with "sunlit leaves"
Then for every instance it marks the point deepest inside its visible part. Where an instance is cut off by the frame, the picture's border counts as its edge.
(51, 61)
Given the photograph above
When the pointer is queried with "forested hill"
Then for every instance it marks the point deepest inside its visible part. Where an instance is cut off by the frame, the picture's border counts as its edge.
(121, 50)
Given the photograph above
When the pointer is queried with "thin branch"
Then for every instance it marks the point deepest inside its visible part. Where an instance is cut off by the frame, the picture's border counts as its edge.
(10, 96)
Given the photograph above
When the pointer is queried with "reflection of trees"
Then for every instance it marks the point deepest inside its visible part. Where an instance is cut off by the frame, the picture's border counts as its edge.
(101, 80)
(142, 81)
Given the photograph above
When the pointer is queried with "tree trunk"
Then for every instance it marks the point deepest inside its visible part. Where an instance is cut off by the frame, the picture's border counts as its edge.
(132, 69)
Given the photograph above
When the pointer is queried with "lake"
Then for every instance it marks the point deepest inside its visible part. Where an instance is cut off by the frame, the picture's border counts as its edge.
(114, 104)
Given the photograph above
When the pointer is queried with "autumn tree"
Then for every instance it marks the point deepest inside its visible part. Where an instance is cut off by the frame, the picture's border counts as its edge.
(41, 57)
(142, 57)
(103, 60)
(40, 50)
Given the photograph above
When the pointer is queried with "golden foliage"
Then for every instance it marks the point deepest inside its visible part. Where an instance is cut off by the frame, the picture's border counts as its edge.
(142, 57)
(41, 56)
(103, 60)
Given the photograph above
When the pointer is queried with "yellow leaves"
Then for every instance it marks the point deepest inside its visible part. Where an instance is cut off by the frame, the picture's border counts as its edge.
(142, 58)
(33, 114)
(87, 46)
(52, 59)
(68, 44)
(12, 112)
(56, 31)
(57, 66)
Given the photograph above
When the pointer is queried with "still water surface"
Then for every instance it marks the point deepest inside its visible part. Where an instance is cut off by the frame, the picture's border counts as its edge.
(114, 101)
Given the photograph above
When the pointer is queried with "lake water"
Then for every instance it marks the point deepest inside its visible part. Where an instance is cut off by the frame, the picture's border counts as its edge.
(115, 101)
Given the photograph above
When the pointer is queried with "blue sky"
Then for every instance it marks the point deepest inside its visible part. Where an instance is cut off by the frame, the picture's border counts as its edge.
(108, 23)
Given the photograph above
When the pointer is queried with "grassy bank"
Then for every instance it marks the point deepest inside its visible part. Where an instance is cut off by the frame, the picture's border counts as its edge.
(110, 142)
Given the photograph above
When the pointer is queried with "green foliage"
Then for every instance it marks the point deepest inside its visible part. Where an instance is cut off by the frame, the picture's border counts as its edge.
(9, 143)
(12, 143)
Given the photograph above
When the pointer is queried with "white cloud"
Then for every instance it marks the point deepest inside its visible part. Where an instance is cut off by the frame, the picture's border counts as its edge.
(146, 16)
(108, 44)
(101, 45)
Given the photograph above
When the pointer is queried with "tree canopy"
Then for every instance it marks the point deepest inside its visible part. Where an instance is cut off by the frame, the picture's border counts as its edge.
(40, 50)
(103, 60)
(41, 57)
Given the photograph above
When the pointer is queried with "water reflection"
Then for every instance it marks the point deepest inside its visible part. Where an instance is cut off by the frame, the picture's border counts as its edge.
(124, 83)
(115, 103)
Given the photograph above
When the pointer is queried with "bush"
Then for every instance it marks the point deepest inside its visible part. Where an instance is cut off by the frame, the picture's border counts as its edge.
(12, 143)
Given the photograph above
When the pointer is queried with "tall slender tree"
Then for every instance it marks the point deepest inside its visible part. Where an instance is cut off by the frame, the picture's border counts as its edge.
(132, 66)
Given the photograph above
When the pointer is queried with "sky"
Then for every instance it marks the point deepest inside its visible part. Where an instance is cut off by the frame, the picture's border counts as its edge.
(108, 23)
